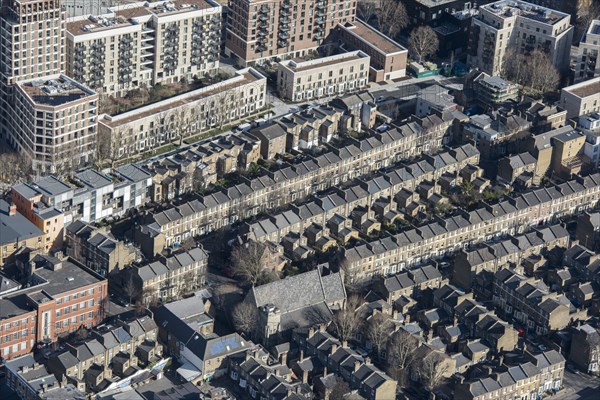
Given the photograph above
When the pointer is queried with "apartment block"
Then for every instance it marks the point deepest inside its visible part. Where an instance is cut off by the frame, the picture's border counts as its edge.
(143, 44)
(388, 58)
(260, 30)
(300, 80)
(17, 233)
(62, 297)
(39, 23)
(587, 65)
(581, 98)
(516, 24)
(138, 131)
(54, 123)
(89, 195)
(493, 90)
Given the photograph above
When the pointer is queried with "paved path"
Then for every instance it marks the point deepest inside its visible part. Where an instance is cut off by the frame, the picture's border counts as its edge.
(579, 386)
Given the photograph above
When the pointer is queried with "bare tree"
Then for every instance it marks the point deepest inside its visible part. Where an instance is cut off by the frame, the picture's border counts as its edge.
(379, 329)
(514, 65)
(543, 76)
(432, 370)
(339, 389)
(351, 279)
(245, 319)
(14, 167)
(130, 289)
(423, 42)
(391, 17)
(150, 297)
(586, 13)
(401, 353)
(247, 264)
(346, 321)
(366, 9)
(534, 71)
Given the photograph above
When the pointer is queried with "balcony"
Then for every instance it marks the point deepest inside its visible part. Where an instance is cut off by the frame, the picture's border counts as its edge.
(284, 35)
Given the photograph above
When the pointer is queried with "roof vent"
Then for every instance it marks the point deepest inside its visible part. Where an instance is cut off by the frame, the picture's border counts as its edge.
(70, 279)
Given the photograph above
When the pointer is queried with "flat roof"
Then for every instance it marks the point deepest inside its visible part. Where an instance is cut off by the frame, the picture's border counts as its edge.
(373, 37)
(586, 88)
(299, 64)
(243, 77)
(55, 90)
(65, 279)
(511, 8)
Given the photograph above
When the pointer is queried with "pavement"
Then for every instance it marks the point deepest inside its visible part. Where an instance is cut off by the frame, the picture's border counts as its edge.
(579, 386)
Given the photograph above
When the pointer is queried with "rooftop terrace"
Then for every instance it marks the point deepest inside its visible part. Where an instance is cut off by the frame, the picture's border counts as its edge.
(511, 8)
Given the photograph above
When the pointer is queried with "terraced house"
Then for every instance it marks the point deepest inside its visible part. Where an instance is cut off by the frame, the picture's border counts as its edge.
(446, 235)
(281, 185)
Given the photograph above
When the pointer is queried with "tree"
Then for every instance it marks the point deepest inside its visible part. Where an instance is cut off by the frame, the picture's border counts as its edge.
(586, 13)
(391, 17)
(247, 264)
(82, 333)
(543, 76)
(339, 389)
(423, 42)
(401, 353)
(130, 289)
(379, 329)
(346, 321)
(351, 281)
(432, 369)
(245, 319)
(14, 167)
(534, 72)
(366, 9)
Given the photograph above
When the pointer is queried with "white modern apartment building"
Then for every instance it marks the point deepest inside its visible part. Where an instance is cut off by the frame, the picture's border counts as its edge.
(54, 123)
(142, 44)
(300, 80)
(516, 24)
(585, 59)
(90, 195)
(589, 125)
(581, 98)
(146, 128)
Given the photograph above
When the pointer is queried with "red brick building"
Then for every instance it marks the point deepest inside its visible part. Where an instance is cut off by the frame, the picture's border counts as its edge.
(63, 297)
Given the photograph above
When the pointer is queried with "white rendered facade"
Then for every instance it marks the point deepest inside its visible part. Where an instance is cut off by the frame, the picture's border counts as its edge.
(586, 61)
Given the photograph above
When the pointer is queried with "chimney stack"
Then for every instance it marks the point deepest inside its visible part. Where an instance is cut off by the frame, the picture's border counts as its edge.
(301, 355)
(12, 210)
(356, 365)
